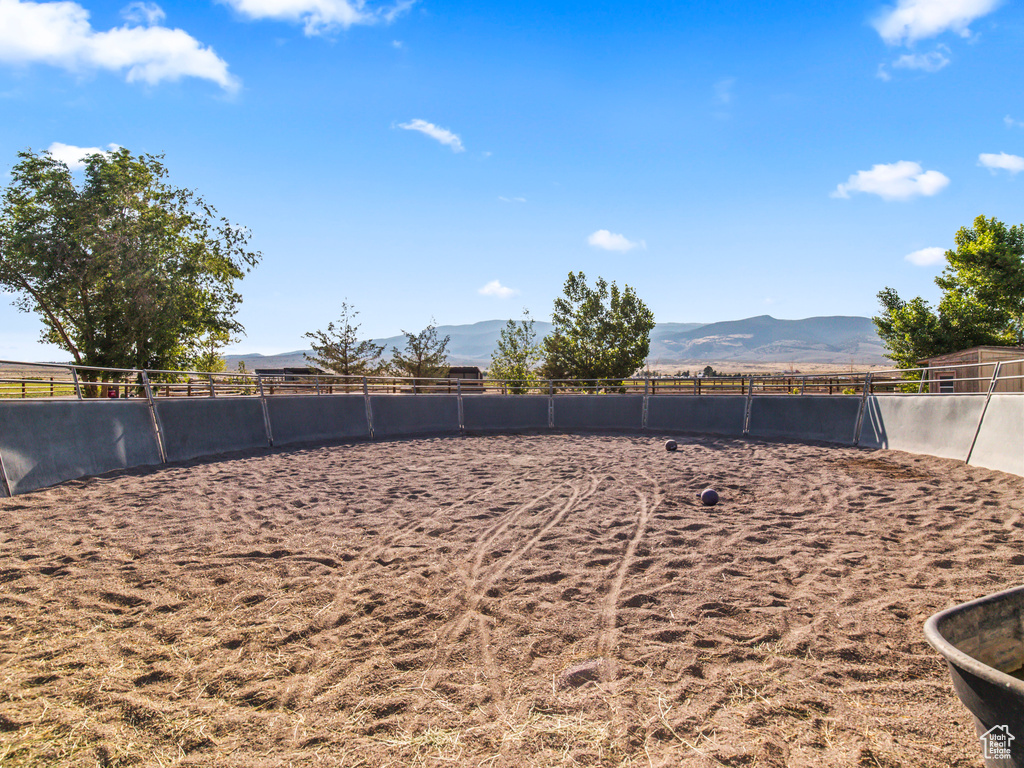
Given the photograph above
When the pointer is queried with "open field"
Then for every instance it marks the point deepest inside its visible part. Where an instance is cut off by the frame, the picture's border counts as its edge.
(763, 369)
(499, 601)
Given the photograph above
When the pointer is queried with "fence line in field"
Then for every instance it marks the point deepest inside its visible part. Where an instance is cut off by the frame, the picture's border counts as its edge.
(50, 380)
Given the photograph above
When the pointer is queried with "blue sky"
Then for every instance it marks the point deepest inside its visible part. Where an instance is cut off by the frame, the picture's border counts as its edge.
(456, 160)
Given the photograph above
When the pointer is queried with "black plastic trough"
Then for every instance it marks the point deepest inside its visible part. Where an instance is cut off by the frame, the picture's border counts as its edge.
(983, 643)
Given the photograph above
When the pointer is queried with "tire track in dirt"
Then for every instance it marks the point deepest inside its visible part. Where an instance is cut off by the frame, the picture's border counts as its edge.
(609, 614)
(481, 548)
(394, 526)
(483, 634)
(474, 590)
(478, 584)
(351, 570)
(364, 562)
(474, 593)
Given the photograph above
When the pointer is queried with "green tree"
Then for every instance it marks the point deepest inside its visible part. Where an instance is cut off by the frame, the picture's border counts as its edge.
(425, 355)
(910, 330)
(983, 284)
(982, 301)
(210, 359)
(340, 349)
(599, 333)
(125, 271)
(517, 355)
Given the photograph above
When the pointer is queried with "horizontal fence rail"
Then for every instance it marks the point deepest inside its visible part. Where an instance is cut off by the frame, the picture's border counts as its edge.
(57, 380)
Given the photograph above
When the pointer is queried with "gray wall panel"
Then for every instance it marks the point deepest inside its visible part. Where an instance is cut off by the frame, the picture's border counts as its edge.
(505, 413)
(306, 418)
(937, 425)
(805, 417)
(47, 442)
(395, 415)
(616, 412)
(194, 427)
(718, 415)
(1001, 439)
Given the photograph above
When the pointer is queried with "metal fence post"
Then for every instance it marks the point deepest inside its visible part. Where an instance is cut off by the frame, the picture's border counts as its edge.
(369, 408)
(747, 408)
(266, 412)
(3, 478)
(78, 387)
(863, 407)
(156, 418)
(647, 390)
(551, 404)
(462, 414)
(981, 419)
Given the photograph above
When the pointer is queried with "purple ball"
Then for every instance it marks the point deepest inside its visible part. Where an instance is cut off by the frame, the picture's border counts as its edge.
(709, 497)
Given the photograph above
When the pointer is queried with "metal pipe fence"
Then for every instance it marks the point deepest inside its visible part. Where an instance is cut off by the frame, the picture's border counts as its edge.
(56, 380)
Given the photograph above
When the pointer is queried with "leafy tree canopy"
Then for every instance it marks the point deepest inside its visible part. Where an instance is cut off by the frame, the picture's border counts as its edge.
(125, 271)
(210, 359)
(982, 301)
(340, 349)
(425, 355)
(517, 355)
(599, 333)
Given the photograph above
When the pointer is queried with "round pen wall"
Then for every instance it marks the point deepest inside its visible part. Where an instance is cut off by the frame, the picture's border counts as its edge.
(50, 438)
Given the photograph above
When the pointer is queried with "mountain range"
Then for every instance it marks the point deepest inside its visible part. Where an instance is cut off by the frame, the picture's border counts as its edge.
(761, 339)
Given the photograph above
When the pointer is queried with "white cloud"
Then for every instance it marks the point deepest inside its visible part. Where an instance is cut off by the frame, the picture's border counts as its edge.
(442, 135)
(318, 16)
(512, 199)
(1002, 161)
(143, 13)
(913, 20)
(927, 62)
(926, 257)
(495, 288)
(1009, 122)
(723, 90)
(396, 10)
(894, 181)
(610, 241)
(74, 157)
(883, 74)
(59, 34)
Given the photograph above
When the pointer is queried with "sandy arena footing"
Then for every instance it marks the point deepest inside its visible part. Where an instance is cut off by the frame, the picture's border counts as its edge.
(499, 601)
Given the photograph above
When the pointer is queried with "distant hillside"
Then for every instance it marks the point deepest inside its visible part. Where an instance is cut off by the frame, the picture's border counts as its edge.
(765, 339)
(470, 344)
(761, 339)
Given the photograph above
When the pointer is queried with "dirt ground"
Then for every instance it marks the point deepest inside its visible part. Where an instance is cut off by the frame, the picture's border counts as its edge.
(499, 601)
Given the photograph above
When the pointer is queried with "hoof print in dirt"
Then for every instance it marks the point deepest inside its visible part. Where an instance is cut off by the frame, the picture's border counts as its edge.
(584, 672)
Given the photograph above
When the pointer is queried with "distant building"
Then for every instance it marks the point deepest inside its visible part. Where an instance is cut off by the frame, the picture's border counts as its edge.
(471, 376)
(464, 372)
(288, 374)
(978, 365)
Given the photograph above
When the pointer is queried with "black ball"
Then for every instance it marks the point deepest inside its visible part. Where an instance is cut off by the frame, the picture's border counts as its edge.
(671, 445)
